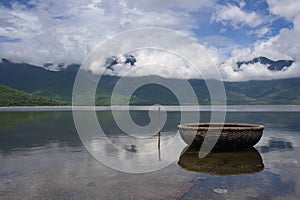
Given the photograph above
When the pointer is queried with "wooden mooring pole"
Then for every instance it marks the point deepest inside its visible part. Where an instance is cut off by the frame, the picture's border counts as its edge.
(158, 133)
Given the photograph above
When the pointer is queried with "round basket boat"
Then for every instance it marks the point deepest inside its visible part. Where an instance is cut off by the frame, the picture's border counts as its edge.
(228, 136)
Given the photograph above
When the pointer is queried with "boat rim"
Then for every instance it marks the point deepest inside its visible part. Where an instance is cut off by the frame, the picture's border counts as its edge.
(220, 126)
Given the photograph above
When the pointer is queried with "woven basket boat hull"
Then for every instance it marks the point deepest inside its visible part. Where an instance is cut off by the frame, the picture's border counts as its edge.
(229, 136)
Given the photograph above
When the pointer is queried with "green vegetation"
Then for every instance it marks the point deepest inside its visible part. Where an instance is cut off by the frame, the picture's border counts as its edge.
(12, 97)
(276, 92)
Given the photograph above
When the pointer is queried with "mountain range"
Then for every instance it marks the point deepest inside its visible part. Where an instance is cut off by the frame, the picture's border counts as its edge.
(58, 85)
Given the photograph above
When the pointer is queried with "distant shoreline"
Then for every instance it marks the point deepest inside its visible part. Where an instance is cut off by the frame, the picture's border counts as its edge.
(229, 108)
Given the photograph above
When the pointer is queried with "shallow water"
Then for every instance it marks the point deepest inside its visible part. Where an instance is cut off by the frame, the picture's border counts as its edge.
(42, 157)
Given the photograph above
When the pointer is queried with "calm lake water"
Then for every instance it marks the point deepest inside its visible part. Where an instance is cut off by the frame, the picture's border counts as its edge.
(42, 157)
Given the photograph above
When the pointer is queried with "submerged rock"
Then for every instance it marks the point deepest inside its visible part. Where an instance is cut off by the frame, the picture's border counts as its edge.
(220, 191)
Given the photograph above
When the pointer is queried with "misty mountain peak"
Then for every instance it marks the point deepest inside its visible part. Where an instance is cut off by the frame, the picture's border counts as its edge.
(271, 64)
(114, 60)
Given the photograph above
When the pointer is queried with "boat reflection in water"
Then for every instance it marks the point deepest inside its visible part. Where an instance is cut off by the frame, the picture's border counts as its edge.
(246, 161)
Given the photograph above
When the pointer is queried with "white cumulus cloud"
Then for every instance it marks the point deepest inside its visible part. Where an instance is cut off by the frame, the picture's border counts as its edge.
(51, 31)
(236, 17)
(284, 45)
(289, 9)
(66, 31)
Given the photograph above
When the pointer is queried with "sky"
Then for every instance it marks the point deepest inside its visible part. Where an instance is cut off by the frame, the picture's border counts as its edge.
(65, 31)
